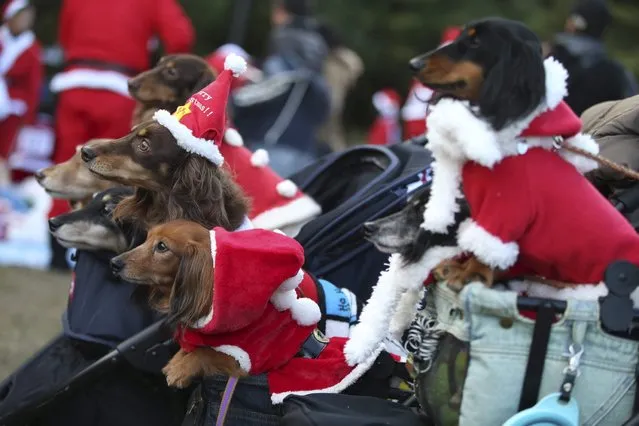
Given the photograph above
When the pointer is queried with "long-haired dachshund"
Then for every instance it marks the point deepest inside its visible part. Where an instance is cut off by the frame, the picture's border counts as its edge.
(72, 181)
(176, 260)
(169, 84)
(170, 183)
(495, 64)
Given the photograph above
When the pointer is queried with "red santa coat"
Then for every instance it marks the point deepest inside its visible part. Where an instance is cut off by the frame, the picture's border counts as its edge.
(21, 75)
(384, 131)
(87, 33)
(261, 315)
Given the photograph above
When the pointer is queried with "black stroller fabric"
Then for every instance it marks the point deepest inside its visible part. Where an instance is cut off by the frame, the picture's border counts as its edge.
(347, 410)
(353, 187)
(125, 396)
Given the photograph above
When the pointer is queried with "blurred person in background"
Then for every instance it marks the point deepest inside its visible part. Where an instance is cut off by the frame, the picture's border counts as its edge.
(594, 77)
(385, 129)
(416, 107)
(283, 112)
(105, 42)
(21, 73)
(342, 68)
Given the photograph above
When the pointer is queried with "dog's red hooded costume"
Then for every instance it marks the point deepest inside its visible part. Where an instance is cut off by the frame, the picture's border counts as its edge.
(199, 126)
(261, 317)
(532, 211)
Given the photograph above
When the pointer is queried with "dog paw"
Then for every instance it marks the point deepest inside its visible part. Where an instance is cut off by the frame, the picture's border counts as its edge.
(455, 286)
(176, 378)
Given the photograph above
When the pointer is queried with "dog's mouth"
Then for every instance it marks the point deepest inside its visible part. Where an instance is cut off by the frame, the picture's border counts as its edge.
(446, 86)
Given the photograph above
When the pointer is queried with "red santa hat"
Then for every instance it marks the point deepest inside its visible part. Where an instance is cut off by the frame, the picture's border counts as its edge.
(12, 7)
(260, 318)
(199, 125)
(387, 102)
(275, 203)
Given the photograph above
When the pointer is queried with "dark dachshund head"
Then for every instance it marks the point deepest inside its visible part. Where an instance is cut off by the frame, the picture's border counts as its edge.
(170, 183)
(170, 83)
(496, 64)
(401, 232)
(93, 227)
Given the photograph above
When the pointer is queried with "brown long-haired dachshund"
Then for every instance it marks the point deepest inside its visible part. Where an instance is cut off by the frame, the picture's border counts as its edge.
(176, 261)
(72, 181)
(170, 183)
(169, 84)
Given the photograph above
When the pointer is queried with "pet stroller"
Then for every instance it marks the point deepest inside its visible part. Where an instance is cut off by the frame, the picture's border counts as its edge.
(371, 182)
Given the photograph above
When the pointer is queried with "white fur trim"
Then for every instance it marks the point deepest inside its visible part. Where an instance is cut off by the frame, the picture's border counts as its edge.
(458, 133)
(260, 158)
(442, 204)
(381, 307)
(14, 7)
(185, 138)
(347, 381)
(278, 231)
(213, 245)
(246, 224)
(488, 248)
(283, 300)
(405, 312)
(306, 312)
(579, 292)
(585, 142)
(293, 282)
(240, 355)
(13, 47)
(556, 82)
(300, 210)
(233, 137)
(91, 79)
(236, 64)
(286, 188)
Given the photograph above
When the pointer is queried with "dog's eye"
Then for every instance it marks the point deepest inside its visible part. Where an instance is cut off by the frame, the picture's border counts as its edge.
(170, 73)
(161, 247)
(144, 146)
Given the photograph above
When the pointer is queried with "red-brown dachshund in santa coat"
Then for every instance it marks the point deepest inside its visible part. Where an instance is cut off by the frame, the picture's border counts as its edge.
(503, 136)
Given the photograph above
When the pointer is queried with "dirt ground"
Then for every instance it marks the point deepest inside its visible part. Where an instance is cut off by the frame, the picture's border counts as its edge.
(31, 305)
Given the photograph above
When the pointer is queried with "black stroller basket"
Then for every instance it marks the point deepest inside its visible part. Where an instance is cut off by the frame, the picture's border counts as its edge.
(147, 351)
(354, 187)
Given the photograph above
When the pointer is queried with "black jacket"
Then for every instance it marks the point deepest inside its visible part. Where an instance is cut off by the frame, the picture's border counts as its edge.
(101, 308)
(594, 77)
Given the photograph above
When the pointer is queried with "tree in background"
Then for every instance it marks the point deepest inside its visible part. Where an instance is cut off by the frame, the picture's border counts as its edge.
(387, 33)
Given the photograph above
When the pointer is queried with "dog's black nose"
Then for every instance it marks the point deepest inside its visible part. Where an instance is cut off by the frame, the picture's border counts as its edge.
(54, 224)
(87, 154)
(116, 265)
(133, 85)
(39, 176)
(416, 64)
(370, 228)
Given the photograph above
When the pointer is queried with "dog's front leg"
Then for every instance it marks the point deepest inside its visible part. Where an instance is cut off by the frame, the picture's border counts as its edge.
(185, 366)
(469, 271)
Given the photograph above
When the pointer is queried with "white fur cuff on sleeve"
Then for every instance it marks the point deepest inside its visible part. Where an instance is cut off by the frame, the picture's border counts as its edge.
(488, 248)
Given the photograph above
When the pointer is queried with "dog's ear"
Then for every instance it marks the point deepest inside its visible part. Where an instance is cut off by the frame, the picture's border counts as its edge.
(514, 86)
(200, 194)
(192, 292)
(205, 79)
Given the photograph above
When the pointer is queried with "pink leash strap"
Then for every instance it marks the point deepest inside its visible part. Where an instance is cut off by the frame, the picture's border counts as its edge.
(226, 400)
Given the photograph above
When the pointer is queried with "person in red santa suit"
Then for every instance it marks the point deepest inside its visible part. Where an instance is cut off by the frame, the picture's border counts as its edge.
(198, 127)
(415, 109)
(385, 129)
(104, 44)
(21, 72)
(260, 317)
